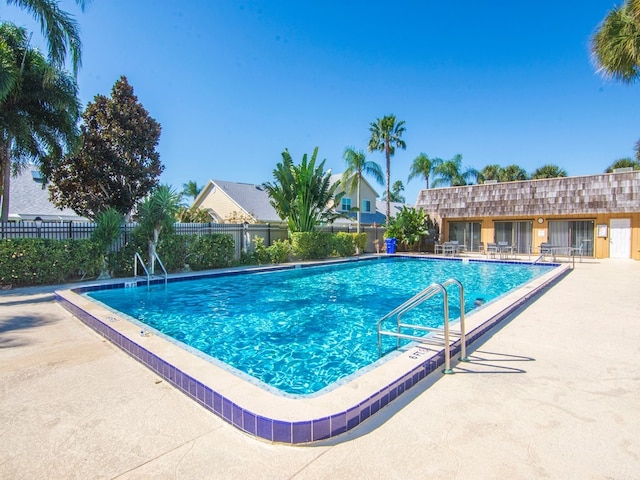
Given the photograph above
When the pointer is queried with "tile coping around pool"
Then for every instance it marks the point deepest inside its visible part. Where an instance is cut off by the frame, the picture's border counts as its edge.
(280, 419)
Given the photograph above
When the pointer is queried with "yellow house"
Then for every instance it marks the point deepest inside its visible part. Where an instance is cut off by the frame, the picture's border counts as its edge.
(371, 210)
(597, 214)
(233, 202)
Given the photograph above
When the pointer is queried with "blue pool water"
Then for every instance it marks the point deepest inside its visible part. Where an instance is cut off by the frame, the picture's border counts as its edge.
(300, 330)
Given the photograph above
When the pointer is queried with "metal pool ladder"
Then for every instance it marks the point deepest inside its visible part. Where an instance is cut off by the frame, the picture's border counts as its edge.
(442, 336)
(138, 259)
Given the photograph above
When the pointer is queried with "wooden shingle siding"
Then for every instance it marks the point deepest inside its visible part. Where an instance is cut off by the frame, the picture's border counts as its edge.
(606, 193)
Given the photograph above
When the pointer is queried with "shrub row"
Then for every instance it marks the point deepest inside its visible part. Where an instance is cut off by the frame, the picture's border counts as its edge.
(309, 246)
(34, 261)
(39, 261)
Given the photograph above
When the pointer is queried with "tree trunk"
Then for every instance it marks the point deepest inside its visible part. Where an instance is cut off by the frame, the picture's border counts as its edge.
(5, 168)
(358, 200)
(152, 251)
(388, 155)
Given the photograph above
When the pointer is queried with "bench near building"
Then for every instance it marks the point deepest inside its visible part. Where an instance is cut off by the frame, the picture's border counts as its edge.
(595, 215)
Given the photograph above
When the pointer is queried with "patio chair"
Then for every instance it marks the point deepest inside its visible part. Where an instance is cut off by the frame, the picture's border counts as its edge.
(546, 248)
(449, 248)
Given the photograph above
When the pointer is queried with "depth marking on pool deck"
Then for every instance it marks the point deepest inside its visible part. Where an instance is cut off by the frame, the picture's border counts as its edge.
(274, 418)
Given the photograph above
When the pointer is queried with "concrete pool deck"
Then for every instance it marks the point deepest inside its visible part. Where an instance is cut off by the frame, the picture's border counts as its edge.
(554, 393)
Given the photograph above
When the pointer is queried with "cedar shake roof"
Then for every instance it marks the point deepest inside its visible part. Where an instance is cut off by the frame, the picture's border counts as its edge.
(592, 194)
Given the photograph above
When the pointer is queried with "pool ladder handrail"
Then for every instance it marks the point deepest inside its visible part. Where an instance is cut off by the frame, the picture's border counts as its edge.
(138, 259)
(164, 270)
(416, 300)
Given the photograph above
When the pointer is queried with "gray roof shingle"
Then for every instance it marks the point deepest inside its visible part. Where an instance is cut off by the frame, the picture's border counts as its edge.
(28, 200)
(252, 198)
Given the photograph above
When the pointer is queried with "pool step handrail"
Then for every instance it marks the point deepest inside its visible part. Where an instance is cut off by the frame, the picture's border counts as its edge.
(164, 270)
(539, 259)
(415, 301)
(137, 258)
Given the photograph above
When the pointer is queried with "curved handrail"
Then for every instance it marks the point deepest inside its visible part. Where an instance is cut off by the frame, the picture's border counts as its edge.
(137, 258)
(416, 300)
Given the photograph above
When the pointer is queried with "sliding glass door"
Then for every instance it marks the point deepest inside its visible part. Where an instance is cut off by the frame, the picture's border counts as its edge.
(572, 233)
(518, 234)
(466, 233)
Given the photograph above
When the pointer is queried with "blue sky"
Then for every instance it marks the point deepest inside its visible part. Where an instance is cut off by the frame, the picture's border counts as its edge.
(234, 83)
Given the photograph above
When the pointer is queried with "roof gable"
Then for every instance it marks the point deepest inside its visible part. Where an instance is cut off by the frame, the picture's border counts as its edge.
(252, 199)
(29, 198)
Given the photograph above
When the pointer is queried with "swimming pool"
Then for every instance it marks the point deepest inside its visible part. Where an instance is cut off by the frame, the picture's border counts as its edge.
(287, 419)
(302, 330)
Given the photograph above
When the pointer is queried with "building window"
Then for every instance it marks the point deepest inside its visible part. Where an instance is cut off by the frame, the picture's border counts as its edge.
(346, 204)
(366, 205)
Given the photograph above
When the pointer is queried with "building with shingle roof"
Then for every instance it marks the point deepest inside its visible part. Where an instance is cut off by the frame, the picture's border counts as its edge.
(598, 215)
(29, 200)
(233, 202)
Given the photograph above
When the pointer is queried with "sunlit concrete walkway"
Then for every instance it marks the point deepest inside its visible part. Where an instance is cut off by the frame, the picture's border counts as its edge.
(554, 394)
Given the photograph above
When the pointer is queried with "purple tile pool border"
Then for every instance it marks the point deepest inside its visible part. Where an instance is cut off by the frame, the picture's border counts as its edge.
(274, 430)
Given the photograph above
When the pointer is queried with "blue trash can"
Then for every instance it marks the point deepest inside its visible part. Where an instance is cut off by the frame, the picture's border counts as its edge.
(391, 245)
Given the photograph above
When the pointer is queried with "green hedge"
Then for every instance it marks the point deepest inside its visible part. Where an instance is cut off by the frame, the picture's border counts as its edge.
(318, 245)
(312, 245)
(41, 261)
(35, 261)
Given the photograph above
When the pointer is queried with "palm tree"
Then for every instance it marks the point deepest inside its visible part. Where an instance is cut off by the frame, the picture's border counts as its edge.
(490, 172)
(301, 193)
(396, 192)
(38, 116)
(386, 135)
(450, 172)
(58, 27)
(512, 173)
(191, 189)
(422, 166)
(548, 171)
(157, 213)
(107, 231)
(615, 47)
(357, 166)
(623, 163)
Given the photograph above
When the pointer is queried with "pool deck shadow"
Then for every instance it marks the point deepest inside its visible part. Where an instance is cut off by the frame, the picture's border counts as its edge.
(490, 362)
(74, 406)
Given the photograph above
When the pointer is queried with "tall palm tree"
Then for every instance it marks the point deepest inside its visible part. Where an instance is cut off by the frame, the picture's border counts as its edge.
(386, 136)
(451, 172)
(38, 117)
(512, 173)
(396, 192)
(58, 27)
(422, 166)
(548, 171)
(623, 163)
(191, 189)
(490, 172)
(357, 166)
(615, 47)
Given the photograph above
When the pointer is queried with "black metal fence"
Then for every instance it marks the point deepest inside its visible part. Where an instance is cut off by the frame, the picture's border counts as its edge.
(243, 234)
